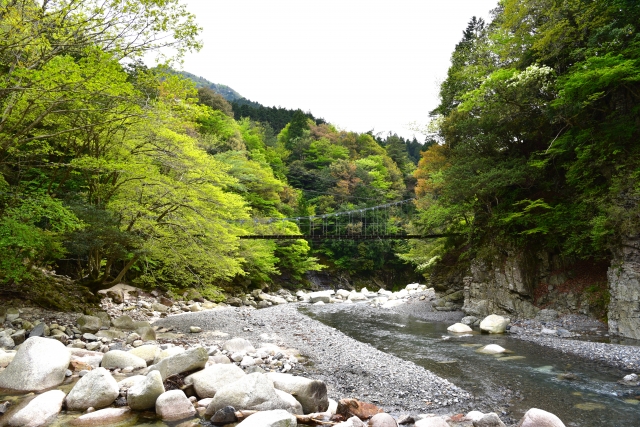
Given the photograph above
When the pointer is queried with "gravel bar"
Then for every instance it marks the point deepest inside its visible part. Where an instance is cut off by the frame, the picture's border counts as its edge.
(348, 367)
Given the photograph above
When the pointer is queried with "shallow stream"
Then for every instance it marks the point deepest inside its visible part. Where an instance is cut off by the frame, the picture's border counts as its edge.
(528, 376)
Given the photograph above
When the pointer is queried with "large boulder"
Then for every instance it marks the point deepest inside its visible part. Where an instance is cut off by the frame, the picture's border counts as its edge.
(238, 345)
(40, 411)
(195, 358)
(144, 393)
(459, 328)
(208, 381)
(97, 389)
(89, 324)
(274, 418)
(174, 405)
(40, 363)
(252, 392)
(311, 394)
(535, 417)
(321, 296)
(118, 359)
(494, 324)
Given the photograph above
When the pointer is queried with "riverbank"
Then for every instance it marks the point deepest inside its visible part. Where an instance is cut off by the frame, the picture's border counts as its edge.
(348, 367)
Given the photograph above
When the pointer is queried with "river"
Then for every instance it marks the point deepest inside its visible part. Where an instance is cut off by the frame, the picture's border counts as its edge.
(528, 376)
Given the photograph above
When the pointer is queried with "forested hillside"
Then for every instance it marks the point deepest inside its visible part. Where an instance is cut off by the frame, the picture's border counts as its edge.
(111, 171)
(538, 131)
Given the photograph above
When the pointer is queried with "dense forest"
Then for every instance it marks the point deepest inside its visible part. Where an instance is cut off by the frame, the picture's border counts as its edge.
(112, 171)
(538, 130)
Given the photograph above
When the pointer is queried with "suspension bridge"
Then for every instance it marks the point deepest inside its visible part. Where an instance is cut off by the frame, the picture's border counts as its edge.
(385, 221)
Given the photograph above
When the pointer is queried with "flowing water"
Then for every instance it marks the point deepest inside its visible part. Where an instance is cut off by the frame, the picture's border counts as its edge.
(529, 375)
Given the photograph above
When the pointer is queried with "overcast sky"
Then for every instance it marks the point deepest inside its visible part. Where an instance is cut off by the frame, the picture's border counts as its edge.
(360, 65)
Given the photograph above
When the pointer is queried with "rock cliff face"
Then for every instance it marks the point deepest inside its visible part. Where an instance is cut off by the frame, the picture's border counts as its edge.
(502, 286)
(624, 286)
(518, 284)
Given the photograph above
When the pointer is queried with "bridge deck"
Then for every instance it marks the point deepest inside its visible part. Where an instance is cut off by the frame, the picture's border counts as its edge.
(343, 237)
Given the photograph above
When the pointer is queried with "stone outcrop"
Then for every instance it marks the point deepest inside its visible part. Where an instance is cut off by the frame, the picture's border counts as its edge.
(518, 284)
(624, 288)
(504, 288)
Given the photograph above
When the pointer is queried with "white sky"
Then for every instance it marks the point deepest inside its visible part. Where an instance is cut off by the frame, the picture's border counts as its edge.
(360, 65)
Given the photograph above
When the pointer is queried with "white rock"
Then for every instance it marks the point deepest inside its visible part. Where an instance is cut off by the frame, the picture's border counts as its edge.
(295, 407)
(102, 417)
(491, 419)
(251, 392)
(312, 394)
(40, 363)
(319, 303)
(412, 286)
(97, 389)
(630, 378)
(492, 349)
(474, 415)
(40, 411)
(194, 358)
(247, 361)
(147, 352)
(546, 331)
(494, 324)
(392, 303)
(238, 345)
(323, 296)
(237, 357)
(171, 351)
(130, 381)
(431, 422)
(538, 418)
(275, 418)
(459, 328)
(401, 294)
(343, 293)
(174, 405)
(356, 296)
(121, 359)
(209, 380)
(6, 358)
(333, 407)
(144, 393)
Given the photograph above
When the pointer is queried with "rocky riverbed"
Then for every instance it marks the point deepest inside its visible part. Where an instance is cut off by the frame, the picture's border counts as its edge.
(138, 334)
